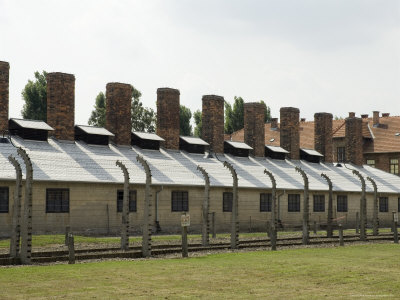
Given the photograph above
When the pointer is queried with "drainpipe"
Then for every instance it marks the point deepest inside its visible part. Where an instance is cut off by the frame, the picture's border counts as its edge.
(158, 227)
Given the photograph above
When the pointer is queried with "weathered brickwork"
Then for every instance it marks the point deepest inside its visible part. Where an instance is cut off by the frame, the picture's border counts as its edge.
(4, 94)
(290, 131)
(213, 122)
(254, 129)
(118, 112)
(354, 140)
(323, 135)
(61, 105)
(168, 117)
(382, 160)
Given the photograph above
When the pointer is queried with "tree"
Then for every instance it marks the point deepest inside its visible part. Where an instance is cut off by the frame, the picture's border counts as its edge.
(184, 119)
(267, 117)
(98, 116)
(35, 97)
(198, 121)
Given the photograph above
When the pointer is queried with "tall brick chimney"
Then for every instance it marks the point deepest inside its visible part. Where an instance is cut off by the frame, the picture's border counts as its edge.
(274, 123)
(254, 127)
(354, 141)
(375, 117)
(61, 105)
(4, 94)
(168, 117)
(118, 112)
(212, 118)
(290, 131)
(323, 135)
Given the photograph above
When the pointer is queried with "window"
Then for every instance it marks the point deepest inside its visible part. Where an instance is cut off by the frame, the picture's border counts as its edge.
(57, 200)
(293, 202)
(180, 201)
(265, 202)
(341, 154)
(383, 204)
(227, 202)
(132, 200)
(394, 166)
(341, 203)
(371, 162)
(319, 203)
(3, 199)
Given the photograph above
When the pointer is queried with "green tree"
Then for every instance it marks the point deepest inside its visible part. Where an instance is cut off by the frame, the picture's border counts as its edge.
(35, 97)
(267, 112)
(198, 122)
(184, 119)
(98, 116)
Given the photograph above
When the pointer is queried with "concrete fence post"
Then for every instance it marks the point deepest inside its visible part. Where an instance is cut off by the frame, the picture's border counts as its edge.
(125, 208)
(71, 248)
(146, 238)
(363, 208)
(205, 224)
(26, 229)
(357, 222)
(341, 240)
(67, 231)
(375, 220)
(329, 226)
(214, 229)
(184, 242)
(235, 213)
(16, 216)
(272, 229)
(306, 236)
(395, 233)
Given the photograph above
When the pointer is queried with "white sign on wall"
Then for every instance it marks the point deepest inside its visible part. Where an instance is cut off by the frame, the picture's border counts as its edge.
(185, 220)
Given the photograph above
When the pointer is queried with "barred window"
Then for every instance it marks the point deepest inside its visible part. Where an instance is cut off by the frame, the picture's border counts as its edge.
(227, 202)
(57, 200)
(179, 201)
(293, 202)
(341, 203)
(371, 162)
(265, 202)
(341, 154)
(394, 166)
(3, 199)
(132, 200)
(383, 204)
(319, 203)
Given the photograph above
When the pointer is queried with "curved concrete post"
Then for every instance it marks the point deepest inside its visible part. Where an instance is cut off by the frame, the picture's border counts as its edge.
(305, 207)
(205, 226)
(235, 213)
(125, 208)
(329, 227)
(26, 229)
(273, 209)
(375, 219)
(16, 217)
(363, 207)
(146, 238)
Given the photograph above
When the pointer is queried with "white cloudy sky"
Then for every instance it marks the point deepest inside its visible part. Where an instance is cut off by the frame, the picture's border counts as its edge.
(336, 56)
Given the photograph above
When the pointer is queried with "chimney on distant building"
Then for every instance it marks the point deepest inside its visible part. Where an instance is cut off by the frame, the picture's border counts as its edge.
(212, 119)
(4, 94)
(354, 140)
(303, 120)
(61, 105)
(352, 114)
(323, 135)
(254, 127)
(385, 115)
(168, 126)
(290, 131)
(118, 112)
(364, 116)
(274, 123)
(375, 118)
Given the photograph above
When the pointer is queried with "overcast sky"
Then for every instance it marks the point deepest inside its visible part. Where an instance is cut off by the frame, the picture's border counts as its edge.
(334, 56)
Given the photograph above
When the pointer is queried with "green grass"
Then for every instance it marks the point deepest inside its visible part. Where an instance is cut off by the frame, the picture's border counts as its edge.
(362, 271)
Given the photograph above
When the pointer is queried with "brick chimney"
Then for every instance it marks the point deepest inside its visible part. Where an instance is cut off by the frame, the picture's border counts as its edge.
(61, 105)
(364, 116)
(212, 119)
(274, 123)
(323, 135)
(168, 126)
(375, 117)
(354, 141)
(352, 114)
(4, 94)
(254, 127)
(290, 131)
(118, 112)
(385, 115)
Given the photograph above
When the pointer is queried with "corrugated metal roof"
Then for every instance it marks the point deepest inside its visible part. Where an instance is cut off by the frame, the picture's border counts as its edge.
(79, 162)
(194, 140)
(148, 136)
(276, 149)
(239, 145)
(311, 152)
(95, 130)
(32, 124)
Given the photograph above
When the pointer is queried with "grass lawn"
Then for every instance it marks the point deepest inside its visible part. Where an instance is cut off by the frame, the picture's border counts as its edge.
(362, 271)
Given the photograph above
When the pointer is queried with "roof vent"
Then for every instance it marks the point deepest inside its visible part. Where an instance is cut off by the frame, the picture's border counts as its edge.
(275, 152)
(92, 134)
(29, 129)
(237, 148)
(397, 134)
(310, 155)
(192, 144)
(146, 140)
